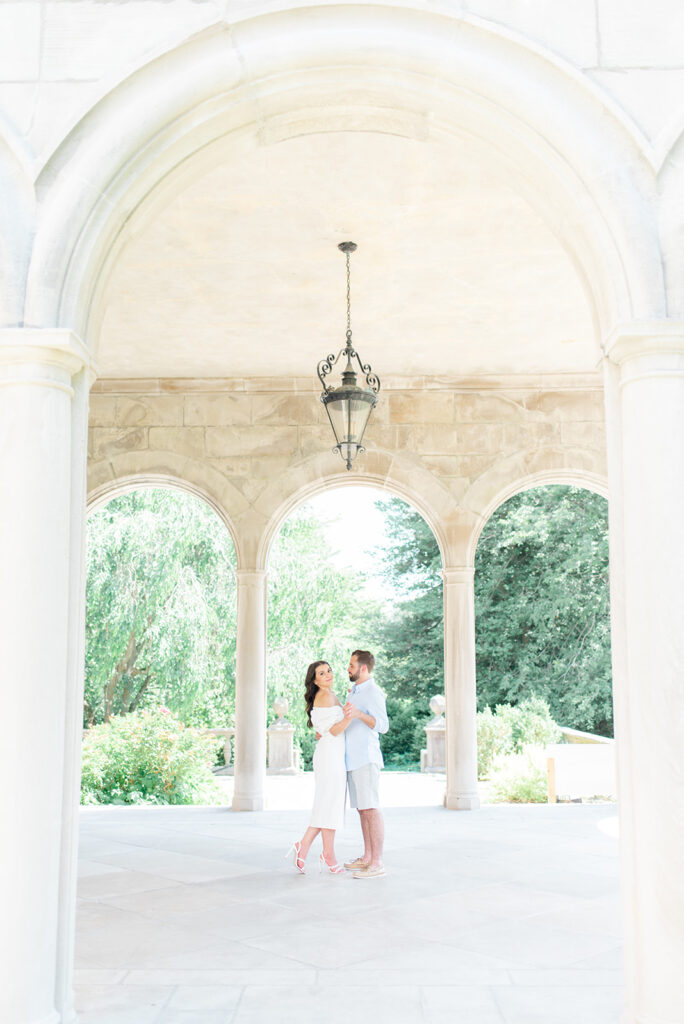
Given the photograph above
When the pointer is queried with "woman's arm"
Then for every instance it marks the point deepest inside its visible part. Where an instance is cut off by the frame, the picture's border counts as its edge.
(339, 727)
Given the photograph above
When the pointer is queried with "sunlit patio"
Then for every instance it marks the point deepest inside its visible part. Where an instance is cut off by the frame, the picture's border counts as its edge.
(504, 916)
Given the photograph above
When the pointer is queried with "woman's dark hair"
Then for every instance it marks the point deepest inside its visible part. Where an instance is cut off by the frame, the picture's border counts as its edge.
(311, 687)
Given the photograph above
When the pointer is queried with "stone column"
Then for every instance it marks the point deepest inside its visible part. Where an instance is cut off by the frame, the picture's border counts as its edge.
(37, 469)
(459, 688)
(647, 589)
(250, 691)
(68, 873)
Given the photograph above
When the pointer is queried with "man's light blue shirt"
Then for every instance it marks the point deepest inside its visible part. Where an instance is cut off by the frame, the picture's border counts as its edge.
(362, 745)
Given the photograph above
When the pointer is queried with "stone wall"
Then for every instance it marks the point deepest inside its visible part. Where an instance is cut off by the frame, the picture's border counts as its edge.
(60, 57)
(454, 448)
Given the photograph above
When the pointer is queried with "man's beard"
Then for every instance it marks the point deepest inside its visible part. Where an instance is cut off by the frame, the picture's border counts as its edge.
(354, 678)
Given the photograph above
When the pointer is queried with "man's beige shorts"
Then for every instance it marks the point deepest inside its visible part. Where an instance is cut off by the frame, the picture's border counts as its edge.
(364, 787)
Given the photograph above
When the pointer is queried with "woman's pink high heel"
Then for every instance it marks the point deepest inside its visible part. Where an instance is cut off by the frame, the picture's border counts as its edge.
(298, 861)
(334, 869)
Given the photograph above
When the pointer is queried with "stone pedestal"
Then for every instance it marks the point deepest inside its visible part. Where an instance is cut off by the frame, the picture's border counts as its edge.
(459, 680)
(283, 759)
(41, 507)
(434, 758)
(250, 692)
(645, 405)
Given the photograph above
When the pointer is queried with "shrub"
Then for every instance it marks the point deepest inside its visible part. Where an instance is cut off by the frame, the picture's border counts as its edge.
(508, 730)
(402, 744)
(494, 738)
(531, 723)
(307, 747)
(515, 779)
(148, 757)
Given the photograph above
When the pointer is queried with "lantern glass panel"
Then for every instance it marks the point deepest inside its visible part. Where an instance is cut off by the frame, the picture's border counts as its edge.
(349, 410)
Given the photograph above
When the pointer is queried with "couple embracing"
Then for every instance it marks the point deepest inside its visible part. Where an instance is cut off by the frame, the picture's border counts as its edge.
(347, 754)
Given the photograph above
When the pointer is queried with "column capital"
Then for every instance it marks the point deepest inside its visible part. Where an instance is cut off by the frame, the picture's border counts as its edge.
(41, 356)
(645, 338)
(460, 574)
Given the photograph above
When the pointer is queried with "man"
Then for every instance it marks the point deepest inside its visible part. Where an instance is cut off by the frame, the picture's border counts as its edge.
(366, 707)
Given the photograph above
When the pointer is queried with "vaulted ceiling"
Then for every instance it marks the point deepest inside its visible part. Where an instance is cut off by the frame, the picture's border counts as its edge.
(235, 271)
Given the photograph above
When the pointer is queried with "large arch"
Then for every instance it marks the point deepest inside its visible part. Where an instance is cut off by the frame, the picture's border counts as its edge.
(147, 485)
(394, 473)
(524, 470)
(133, 470)
(100, 496)
(594, 187)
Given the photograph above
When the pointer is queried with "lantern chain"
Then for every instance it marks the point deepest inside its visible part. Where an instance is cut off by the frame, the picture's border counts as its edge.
(349, 332)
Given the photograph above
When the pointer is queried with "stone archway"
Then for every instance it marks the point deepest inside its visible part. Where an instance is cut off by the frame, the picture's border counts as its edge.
(206, 88)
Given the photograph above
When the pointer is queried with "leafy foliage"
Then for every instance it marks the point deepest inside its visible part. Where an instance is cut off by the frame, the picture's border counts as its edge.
(160, 609)
(541, 598)
(410, 635)
(511, 729)
(542, 606)
(516, 779)
(148, 757)
(401, 746)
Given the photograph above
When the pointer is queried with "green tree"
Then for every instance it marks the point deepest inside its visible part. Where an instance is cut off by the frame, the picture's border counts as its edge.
(542, 611)
(410, 635)
(542, 605)
(160, 609)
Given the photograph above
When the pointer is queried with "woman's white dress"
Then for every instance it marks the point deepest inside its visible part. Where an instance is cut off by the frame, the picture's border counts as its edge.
(330, 772)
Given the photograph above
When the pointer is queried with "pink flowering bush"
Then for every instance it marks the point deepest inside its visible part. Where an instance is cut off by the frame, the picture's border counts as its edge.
(148, 757)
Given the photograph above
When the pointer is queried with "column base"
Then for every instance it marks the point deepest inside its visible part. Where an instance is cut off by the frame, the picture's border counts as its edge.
(248, 803)
(461, 802)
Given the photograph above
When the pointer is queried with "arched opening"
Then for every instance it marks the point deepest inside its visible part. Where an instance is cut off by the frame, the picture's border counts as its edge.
(160, 611)
(543, 625)
(358, 567)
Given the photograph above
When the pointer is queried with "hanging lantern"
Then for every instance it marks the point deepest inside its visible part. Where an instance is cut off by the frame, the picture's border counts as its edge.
(348, 405)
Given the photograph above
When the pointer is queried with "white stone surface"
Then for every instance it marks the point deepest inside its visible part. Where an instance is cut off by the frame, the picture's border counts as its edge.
(250, 691)
(430, 300)
(513, 203)
(651, 363)
(634, 34)
(473, 921)
(460, 689)
(42, 466)
(20, 41)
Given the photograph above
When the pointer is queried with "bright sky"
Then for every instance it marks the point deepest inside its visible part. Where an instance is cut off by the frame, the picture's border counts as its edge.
(353, 527)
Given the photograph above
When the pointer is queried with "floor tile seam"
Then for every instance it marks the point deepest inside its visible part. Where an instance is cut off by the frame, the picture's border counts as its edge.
(102, 901)
(106, 896)
(499, 1008)
(574, 964)
(294, 959)
(568, 928)
(236, 1008)
(297, 960)
(490, 989)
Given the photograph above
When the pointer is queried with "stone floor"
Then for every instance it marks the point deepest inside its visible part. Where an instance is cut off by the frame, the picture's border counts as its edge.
(508, 915)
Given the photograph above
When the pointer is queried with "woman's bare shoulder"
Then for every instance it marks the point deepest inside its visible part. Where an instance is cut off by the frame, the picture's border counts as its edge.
(325, 700)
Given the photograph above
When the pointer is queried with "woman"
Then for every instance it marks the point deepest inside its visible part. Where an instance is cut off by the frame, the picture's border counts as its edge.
(325, 714)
